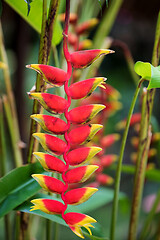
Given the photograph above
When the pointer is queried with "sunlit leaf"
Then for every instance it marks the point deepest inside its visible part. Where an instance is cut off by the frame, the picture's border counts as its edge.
(148, 72)
(35, 17)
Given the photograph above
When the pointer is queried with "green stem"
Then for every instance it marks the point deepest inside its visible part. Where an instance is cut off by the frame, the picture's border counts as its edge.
(56, 231)
(44, 52)
(119, 166)
(3, 168)
(106, 23)
(12, 130)
(144, 144)
(48, 229)
(149, 218)
(11, 99)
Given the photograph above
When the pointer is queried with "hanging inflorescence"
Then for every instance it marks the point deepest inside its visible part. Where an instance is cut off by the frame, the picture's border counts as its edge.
(76, 131)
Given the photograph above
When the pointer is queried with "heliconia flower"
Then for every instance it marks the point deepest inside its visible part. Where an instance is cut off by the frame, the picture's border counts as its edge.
(78, 220)
(82, 155)
(79, 195)
(50, 162)
(107, 160)
(112, 107)
(51, 143)
(136, 118)
(108, 140)
(73, 39)
(135, 141)
(84, 88)
(80, 174)
(52, 103)
(47, 205)
(72, 17)
(84, 114)
(104, 179)
(86, 26)
(112, 92)
(83, 134)
(85, 44)
(83, 59)
(151, 153)
(50, 184)
(51, 124)
(52, 75)
(155, 137)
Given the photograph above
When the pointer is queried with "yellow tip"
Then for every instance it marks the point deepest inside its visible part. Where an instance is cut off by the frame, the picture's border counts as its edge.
(90, 170)
(34, 67)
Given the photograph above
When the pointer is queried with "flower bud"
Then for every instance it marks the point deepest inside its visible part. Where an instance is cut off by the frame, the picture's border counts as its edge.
(110, 139)
(52, 103)
(51, 124)
(52, 75)
(104, 179)
(84, 114)
(51, 143)
(84, 88)
(107, 160)
(86, 26)
(83, 59)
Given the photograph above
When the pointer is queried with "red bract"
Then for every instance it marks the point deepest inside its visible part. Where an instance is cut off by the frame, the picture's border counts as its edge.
(49, 162)
(52, 103)
(50, 184)
(51, 124)
(50, 143)
(84, 114)
(52, 75)
(48, 206)
(83, 134)
(84, 88)
(82, 155)
(83, 59)
(86, 26)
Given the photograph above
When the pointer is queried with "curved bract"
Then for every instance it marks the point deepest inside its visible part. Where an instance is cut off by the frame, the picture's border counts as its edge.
(73, 154)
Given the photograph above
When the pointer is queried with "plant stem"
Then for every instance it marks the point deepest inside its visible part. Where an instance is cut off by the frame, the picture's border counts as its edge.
(145, 138)
(48, 229)
(3, 168)
(11, 99)
(12, 130)
(119, 166)
(144, 144)
(149, 218)
(44, 52)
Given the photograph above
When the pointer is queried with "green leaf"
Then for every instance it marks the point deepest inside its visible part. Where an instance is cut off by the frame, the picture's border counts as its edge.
(148, 72)
(143, 69)
(35, 17)
(18, 186)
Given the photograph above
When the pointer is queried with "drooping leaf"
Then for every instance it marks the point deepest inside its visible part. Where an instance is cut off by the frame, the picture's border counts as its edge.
(35, 17)
(148, 72)
(18, 186)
